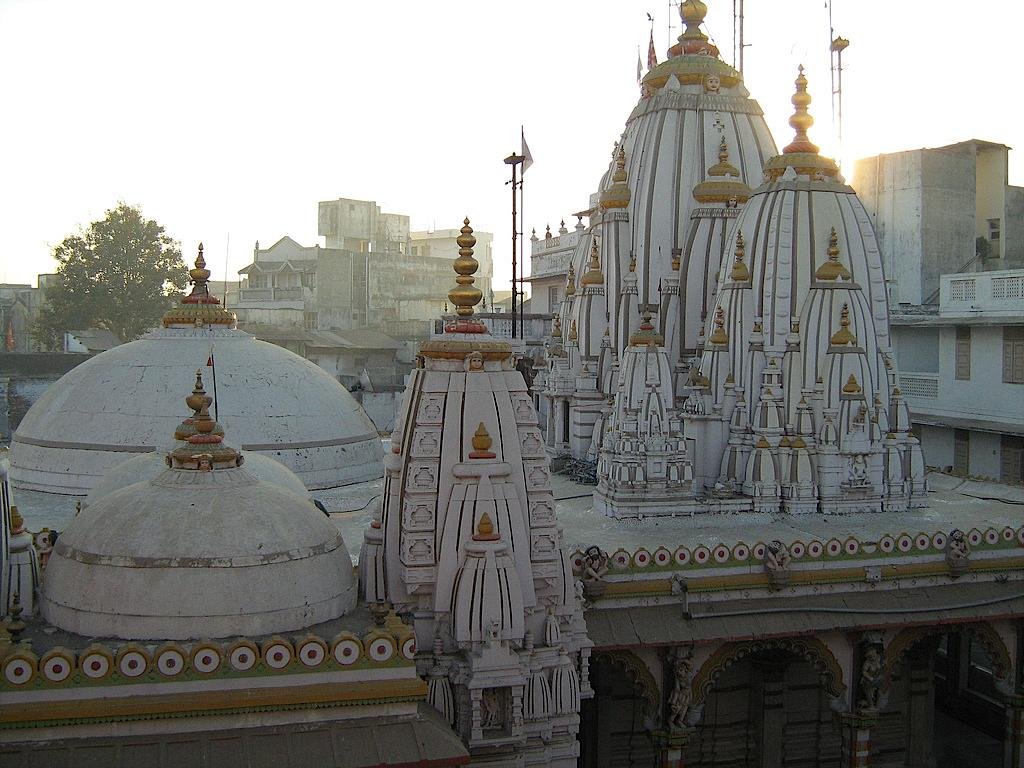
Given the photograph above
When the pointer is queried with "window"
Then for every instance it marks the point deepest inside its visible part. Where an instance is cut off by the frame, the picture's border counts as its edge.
(1013, 354)
(961, 451)
(552, 298)
(993, 236)
(963, 353)
(1011, 459)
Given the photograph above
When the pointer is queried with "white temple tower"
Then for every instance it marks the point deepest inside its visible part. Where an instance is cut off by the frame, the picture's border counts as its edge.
(466, 545)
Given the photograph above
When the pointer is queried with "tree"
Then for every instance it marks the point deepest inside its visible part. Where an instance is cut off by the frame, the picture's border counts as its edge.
(121, 274)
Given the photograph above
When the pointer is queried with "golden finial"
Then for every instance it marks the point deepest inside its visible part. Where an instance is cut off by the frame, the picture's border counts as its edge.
(203, 437)
(593, 275)
(195, 401)
(485, 529)
(851, 387)
(573, 333)
(719, 336)
(646, 335)
(617, 195)
(692, 41)
(570, 281)
(843, 336)
(801, 120)
(797, 442)
(723, 184)
(199, 308)
(481, 443)
(556, 327)
(833, 269)
(740, 273)
(466, 295)
(17, 521)
(677, 257)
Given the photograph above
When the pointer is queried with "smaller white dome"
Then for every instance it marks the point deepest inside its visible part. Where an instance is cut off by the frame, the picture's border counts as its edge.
(149, 465)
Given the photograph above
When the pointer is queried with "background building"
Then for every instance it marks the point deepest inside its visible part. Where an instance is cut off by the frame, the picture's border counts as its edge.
(942, 210)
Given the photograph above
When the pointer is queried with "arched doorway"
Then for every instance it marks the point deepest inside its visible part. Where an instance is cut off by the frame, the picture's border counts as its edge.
(767, 705)
(943, 706)
(616, 724)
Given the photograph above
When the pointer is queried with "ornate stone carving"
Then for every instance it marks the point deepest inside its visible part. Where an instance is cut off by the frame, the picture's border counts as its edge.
(776, 563)
(595, 566)
(958, 552)
(872, 673)
(681, 697)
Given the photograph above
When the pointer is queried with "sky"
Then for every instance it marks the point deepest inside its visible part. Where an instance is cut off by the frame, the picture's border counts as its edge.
(227, 121)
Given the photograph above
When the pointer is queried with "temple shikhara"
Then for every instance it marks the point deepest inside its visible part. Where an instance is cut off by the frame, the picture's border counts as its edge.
(764, 571)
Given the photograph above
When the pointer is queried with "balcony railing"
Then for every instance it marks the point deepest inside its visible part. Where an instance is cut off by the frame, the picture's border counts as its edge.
(270, 294)
(920, 385)
(966, 295)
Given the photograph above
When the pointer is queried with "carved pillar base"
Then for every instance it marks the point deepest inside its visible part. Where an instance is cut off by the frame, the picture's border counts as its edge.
(1013, 742)
(670, 746)
(856, 729)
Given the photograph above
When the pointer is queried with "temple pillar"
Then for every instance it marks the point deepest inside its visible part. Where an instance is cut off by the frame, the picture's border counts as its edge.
(1013, 740)
(856, 729)
(671, 745)
(920, 709)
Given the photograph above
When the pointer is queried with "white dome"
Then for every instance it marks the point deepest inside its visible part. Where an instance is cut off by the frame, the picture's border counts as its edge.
(146, 466)
(127, 401)
(192, 554)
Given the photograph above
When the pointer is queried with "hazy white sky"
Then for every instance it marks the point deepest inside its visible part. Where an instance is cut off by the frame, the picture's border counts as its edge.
(221, 117)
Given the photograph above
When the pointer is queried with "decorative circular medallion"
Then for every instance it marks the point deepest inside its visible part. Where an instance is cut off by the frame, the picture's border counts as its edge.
(797, 550)
(642, 558)
(1008, 534)
(991, 536)
(205, 658)
(852, 546)
(721, 553)
(815, 548)
(56, 666)
(662, 557)
(132, 662)
(759, 550)
(277, 654)
(682, 555)
(974, 537)
(834, 547)
(409, 648)
(886, 544)
(170, 661)
(381, 649)
(18, 671)
(312, 652)
(904, 543)
(95, 664)
(243, 655)
(922, 541)
(701, 555)
(577, 563)
(741, 552)
(939, 541)
(346, 651)
(620, 559)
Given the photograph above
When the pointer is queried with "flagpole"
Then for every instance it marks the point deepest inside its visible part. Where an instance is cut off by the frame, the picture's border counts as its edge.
(213, 366)
(514, 160)
(522, 241)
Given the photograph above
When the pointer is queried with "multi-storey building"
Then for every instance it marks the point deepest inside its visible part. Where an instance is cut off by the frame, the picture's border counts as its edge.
(963, 377)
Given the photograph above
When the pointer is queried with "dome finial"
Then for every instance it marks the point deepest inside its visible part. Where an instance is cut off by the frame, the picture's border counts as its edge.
(481, 443)
(593, 275)
(465, 295)
(843, 337)
(617, 195)
(740, 273)
(801, 120)
(719, 336)
(693, 41)
(204, 447)
(199, 308)
(556, 327)
(570, 281)
(833, 269)
(485, 529)
(574, 334)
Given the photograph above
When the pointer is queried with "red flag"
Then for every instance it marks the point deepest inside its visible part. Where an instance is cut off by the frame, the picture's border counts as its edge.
(209, 362)
(652, 55)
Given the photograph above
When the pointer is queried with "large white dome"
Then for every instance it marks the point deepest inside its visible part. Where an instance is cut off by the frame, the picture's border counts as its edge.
(203, 549)
(127, 401)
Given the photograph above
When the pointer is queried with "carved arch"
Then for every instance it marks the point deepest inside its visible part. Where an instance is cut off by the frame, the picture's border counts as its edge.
(810, 649)
(641, 676)
(983, 632)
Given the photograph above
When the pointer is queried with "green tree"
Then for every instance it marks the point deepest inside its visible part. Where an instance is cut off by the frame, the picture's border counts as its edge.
(121, 273)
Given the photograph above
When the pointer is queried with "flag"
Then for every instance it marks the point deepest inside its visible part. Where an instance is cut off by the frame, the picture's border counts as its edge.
(525, 151)
(639, 66)
(652, 55)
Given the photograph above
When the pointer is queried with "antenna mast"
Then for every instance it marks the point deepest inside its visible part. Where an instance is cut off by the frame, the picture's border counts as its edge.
(836, 47)
(737, 31)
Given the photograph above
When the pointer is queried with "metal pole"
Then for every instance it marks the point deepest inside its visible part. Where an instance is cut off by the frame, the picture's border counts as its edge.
(742, 44)
(522, 259)
(514, 160)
